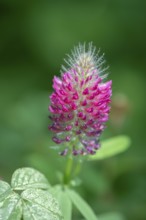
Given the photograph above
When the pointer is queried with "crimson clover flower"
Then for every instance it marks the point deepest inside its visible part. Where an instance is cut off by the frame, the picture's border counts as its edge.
(80, 102)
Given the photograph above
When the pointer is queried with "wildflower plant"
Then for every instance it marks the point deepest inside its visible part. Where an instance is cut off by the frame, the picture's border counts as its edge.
(79, 110)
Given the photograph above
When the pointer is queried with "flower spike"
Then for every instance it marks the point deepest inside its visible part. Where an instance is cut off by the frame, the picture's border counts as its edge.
(80, 102)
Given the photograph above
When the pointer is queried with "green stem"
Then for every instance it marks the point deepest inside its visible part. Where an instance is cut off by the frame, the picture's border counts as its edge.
(68, 171)
(77, 168)
(72, 170)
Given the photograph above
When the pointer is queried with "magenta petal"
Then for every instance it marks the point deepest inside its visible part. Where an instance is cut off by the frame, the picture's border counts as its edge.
(86, 91)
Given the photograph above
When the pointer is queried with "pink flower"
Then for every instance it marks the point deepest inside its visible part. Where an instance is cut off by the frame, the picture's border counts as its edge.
(80, 102)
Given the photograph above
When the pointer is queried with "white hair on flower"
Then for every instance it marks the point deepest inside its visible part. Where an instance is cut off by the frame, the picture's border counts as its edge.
(85, 58)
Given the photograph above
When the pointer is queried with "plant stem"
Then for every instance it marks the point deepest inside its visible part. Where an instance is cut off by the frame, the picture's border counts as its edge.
(77, 168)
(73, 168)
(68, 171)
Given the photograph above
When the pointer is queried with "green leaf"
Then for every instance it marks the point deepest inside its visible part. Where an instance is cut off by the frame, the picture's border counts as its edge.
(81, 205)
(25, 178)
(112, 147)
(39, 204)
(5, 190)
(10, 203)
(65, 203)
(111, 216)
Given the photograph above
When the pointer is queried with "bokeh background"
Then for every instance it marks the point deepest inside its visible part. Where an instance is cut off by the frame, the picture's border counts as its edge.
(34, 38)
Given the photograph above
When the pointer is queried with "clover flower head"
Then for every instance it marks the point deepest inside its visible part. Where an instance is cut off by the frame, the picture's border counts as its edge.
(80, 102)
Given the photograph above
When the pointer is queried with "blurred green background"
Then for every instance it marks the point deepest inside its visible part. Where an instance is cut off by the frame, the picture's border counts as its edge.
(34, 38)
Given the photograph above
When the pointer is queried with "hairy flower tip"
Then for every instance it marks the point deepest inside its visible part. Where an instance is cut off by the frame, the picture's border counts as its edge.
(80, 102)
